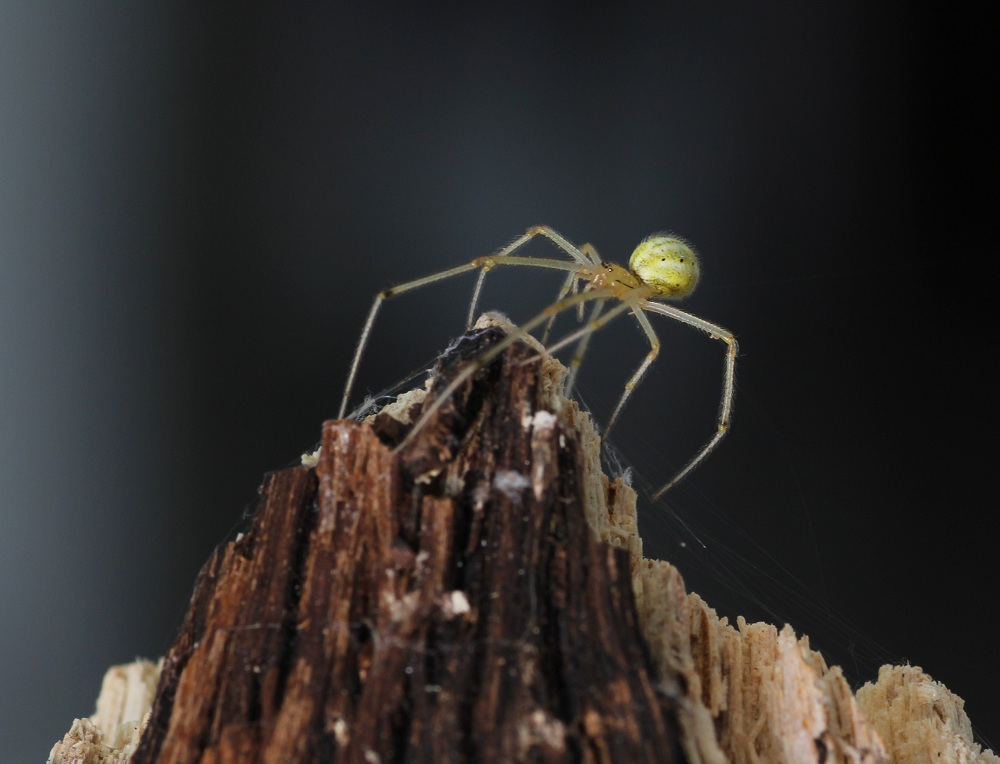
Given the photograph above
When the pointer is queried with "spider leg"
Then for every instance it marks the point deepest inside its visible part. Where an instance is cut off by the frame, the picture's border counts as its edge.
(570, 284)
(577, 253)
(475, 297)
(582, 336)
(728, 383)
(590, 251)
(592, 326)
(633, 382)
(483, 360)
(483, 263)
(581, 346)
(380, 298)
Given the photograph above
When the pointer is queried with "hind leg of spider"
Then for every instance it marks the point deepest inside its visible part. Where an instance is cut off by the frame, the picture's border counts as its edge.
(521, 333)
(483, 263)
(728, 384)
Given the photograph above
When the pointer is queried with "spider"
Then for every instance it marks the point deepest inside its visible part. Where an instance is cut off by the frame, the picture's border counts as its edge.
(662, 267)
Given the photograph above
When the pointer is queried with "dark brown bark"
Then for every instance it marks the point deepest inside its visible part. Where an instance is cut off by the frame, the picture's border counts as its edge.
(446, 603)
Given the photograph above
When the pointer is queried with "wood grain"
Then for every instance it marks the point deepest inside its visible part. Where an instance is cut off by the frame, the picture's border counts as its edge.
(448, 602)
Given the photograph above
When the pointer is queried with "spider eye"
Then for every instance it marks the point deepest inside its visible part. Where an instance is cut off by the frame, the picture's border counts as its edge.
(668, 264)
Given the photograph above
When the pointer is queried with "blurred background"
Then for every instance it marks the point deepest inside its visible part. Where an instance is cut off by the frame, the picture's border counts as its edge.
(197, 206)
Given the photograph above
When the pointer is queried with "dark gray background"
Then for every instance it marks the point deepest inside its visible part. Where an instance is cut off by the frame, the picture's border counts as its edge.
(197, 206)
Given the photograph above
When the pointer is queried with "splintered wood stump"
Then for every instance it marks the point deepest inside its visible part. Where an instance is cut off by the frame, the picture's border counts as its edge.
(448, 602)
(481, 596)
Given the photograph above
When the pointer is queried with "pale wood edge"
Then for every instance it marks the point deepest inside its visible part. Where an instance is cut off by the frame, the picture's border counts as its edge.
(112, 733)
(920, 720)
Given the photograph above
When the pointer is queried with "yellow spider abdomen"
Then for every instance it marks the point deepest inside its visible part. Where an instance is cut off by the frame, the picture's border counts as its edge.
(666, 263)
